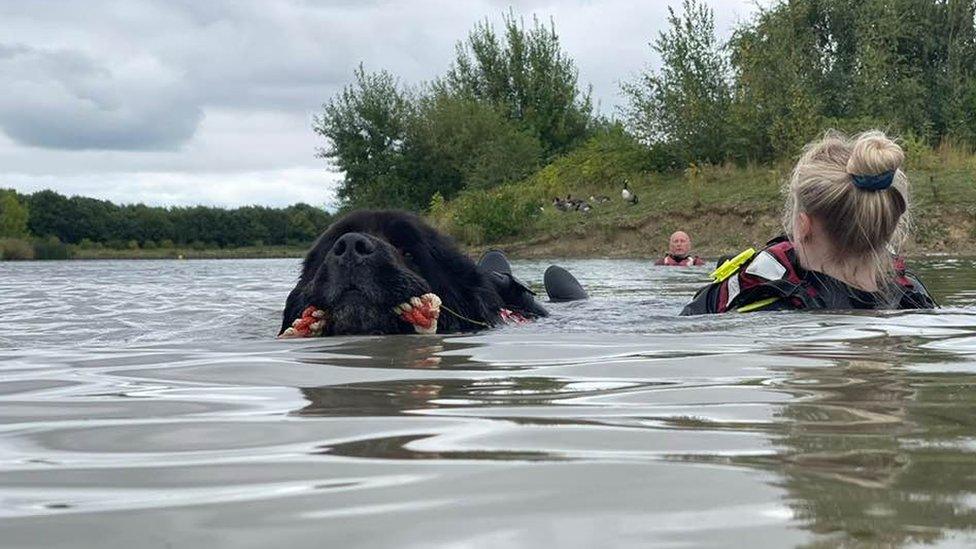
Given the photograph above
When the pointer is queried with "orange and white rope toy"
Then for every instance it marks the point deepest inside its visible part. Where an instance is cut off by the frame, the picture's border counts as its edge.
(420, 312)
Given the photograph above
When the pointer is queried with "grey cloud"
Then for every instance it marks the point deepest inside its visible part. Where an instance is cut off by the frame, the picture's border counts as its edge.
(67, 100)
(139, 78)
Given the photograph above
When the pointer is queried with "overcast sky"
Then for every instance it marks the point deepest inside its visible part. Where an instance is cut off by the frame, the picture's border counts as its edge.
(178, 102)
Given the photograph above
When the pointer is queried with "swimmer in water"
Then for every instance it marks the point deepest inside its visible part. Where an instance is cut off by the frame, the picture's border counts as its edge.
(846, 214)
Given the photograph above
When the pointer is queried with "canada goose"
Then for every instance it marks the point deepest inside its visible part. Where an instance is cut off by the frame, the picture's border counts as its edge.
(628, 195)
(574, 203)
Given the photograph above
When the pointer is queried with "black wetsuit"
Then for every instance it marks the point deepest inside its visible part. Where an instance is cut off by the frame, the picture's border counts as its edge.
(773, 280)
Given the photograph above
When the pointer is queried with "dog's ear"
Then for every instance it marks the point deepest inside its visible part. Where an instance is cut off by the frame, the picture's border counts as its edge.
(298, 299)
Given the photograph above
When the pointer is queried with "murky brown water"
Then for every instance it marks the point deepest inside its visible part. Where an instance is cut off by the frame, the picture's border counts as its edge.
(144, 404)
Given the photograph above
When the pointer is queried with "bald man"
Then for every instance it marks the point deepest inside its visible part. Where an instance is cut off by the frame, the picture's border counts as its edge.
(679, 252)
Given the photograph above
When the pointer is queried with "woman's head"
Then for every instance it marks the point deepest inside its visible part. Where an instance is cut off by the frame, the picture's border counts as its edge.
(848, 197)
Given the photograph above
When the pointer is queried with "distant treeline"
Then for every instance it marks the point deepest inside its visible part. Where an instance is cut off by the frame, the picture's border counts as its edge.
(88, 222)
(510, 105)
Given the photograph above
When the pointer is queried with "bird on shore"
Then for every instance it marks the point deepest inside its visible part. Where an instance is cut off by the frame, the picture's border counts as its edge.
(628, 195)
(571, 204)
(574, 203)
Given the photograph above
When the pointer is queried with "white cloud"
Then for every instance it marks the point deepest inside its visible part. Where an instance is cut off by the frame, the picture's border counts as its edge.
(281, 187)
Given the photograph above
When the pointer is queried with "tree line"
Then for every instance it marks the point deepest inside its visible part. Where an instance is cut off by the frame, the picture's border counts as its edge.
(92, 222)
(510, 102)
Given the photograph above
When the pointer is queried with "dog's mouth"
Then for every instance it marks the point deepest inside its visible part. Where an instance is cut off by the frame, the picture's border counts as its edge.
(349, 295)
(421, 312)
(350, 292)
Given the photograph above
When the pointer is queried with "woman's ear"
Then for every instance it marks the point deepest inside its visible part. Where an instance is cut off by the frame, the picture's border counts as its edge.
(803, 227)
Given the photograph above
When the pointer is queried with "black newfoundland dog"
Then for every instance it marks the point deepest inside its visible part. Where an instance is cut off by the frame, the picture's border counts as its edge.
(388, 272)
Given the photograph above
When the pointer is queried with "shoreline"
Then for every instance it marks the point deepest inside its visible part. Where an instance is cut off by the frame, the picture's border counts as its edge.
(940, 233)
(946, 233)
(724, 208)
(271, 252)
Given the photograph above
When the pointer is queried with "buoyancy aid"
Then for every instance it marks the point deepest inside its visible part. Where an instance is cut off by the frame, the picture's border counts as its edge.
(686, 261)
(772, 279)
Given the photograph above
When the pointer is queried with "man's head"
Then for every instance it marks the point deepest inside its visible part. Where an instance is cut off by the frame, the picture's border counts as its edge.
(680, 244)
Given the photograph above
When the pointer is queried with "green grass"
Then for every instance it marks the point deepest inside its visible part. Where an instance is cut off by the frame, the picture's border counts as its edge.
(726, 207)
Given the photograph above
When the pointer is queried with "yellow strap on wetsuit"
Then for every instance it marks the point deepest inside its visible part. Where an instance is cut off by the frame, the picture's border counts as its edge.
(756, 305)
(732, 266)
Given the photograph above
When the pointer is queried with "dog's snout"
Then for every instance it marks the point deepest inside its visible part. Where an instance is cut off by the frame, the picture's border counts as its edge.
(352, 246)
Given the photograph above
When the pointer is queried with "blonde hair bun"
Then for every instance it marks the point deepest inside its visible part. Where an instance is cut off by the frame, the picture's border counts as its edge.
(855, 188)
(873, 153)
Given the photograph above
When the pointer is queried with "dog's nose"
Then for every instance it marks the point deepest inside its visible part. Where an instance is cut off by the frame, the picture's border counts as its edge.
(353, 246)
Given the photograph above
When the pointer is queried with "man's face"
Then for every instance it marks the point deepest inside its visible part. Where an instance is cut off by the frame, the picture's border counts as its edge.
(680, 244)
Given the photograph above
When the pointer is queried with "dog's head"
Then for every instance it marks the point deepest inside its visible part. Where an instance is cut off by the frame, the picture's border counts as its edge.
(368, 262)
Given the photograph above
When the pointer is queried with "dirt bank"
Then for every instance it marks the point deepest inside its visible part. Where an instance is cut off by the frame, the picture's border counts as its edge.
(716, 233)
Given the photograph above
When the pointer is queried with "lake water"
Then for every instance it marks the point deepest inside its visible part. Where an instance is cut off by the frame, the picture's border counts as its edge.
(146, 404)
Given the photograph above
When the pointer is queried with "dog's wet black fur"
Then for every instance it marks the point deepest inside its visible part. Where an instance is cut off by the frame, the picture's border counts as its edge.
(368, 262)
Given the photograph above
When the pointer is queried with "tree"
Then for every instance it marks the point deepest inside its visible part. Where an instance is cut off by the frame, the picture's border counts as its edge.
(13, 215)
(458, 143)
(960, 74)
(47, 215)
(528, 77)
(779, 85)
(364, 127)
(686, 104)
(805, 65)
(398, 151)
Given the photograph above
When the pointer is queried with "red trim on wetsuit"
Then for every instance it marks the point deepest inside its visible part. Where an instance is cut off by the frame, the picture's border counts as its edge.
(782, 252)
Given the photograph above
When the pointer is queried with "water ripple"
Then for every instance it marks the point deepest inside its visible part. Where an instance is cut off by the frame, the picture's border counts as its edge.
(145, 404)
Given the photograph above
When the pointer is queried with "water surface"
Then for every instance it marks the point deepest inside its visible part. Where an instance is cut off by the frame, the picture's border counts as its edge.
(144, 404)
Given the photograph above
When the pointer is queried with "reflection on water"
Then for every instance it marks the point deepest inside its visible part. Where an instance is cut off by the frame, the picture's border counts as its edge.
(143, 404)
(880, 453)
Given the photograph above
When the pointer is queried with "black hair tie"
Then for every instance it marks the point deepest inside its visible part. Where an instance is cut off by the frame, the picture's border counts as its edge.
(876, 182)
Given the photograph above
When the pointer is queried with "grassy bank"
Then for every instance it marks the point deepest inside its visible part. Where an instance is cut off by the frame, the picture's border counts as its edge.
(724, 208)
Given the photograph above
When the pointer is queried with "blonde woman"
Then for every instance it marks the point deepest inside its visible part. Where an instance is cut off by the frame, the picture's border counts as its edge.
(847, 211)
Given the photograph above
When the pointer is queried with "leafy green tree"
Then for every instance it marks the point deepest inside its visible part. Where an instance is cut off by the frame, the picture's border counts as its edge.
(47, 209)
(527, 75)
(776, 107)
(959, 80)
(456, 143)
(305, 223)
(686, 104)
(364, 127)
(13, 215)
(146, 223)
(804, 65)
